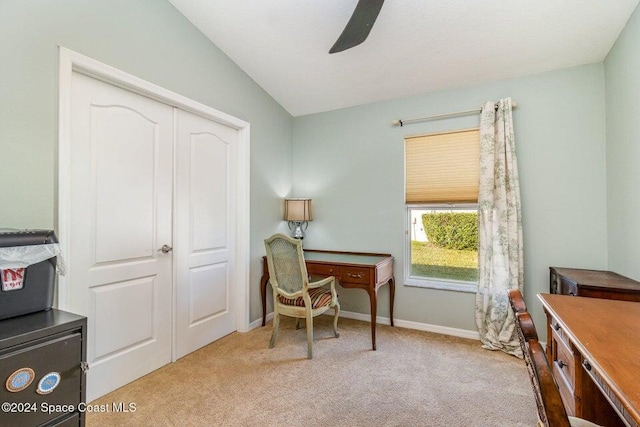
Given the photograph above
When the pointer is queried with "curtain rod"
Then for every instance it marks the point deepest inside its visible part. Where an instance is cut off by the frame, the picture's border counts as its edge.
(441, 116)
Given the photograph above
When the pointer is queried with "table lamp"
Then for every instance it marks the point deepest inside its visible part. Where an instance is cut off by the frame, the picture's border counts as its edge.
(298, 213)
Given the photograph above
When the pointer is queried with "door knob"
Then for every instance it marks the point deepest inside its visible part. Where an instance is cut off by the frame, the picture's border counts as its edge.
(165, 249)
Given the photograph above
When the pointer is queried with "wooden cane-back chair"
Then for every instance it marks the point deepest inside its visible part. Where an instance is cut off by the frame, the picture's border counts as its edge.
(293, 294)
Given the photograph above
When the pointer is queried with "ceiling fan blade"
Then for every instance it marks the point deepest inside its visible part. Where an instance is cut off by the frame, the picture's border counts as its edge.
(359, 25)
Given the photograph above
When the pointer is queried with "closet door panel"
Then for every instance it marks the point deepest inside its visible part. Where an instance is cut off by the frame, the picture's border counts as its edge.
(120, 215)
(205, 236)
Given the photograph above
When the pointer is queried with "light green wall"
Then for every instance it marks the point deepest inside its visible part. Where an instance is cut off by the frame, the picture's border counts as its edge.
(149, 39)
(622, 80)
(350, 162)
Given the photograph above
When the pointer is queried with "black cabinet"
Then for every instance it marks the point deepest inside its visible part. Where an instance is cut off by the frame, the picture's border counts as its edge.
(41, 369)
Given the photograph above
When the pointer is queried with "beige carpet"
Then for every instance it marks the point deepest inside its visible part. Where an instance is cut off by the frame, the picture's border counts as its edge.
(414, 379)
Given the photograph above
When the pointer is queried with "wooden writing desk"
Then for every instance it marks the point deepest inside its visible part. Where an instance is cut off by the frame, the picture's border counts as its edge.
(593, 347)
(352, 270)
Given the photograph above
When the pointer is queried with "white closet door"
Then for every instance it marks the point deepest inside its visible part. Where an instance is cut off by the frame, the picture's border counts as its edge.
(205, 231)
(120, 215)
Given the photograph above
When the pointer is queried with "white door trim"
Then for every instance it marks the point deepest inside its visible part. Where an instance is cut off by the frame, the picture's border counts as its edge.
(70, 62)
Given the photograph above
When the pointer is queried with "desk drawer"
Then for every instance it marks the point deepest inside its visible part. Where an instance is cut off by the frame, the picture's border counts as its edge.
(558, 332)
(355, 275)
(567, 396)
(323, 270)
(564, 362)
(563, 368)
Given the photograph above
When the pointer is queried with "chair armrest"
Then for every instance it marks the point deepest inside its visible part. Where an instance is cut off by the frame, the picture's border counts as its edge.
(287, 294)
(330, 279)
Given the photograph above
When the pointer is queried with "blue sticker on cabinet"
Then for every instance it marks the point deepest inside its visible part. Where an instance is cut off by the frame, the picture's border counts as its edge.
(48, 383)
(20, 379)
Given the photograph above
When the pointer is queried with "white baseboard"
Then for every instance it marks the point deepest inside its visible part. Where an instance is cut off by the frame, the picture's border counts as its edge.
(445, 330)
(257, 323)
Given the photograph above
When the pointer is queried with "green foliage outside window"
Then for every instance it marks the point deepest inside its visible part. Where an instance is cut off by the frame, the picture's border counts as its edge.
(452, 230)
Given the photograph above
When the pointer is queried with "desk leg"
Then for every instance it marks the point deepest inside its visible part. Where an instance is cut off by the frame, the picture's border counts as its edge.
(373, 301)
(392, 294)
(263, 295)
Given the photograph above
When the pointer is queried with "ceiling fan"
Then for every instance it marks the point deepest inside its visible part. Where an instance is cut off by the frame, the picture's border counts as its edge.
(359, 25)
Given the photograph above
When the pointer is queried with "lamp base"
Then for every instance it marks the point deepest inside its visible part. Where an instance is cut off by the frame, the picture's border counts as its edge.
(297, 230)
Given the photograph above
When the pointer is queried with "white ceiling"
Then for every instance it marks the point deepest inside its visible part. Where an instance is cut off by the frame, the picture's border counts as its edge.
(415, 46)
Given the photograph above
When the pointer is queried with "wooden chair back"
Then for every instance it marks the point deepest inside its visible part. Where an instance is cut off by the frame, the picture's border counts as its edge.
(517, 301)
(526, 327)
(285, 259)
(551, 411)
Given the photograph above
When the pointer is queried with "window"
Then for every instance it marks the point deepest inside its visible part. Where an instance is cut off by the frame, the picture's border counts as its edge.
(441, 195)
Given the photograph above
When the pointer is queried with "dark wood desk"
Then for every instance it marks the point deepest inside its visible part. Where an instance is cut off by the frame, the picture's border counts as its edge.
(593, 283)
(593, 347)
(360, 270)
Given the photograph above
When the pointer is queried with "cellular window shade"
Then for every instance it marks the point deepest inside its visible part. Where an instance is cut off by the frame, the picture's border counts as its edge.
(442, 168)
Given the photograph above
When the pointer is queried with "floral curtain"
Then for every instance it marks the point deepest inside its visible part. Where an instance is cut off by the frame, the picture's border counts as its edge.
(500, 254)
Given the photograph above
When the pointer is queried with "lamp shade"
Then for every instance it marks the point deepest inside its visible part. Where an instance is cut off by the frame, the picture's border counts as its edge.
(297, 210)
